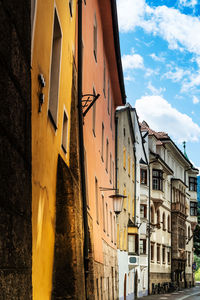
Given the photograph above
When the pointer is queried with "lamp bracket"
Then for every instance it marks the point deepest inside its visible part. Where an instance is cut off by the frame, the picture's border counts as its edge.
(88, 101)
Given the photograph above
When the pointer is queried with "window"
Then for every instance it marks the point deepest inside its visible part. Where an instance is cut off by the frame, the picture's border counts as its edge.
(64, 132)
(55, 72)
(102, 141)
(108, 104)
(188, 232)
(101, 287)
(110, 168)
(107, 150)
(133, 172)
(157, 180)
(104, 78)
(193, 208)
(143, 211)
(97, 286)
(103, 210)
(164, 221)
(113, 176)
(152, 215)
(189, 259)
(168, 257)
(163, 254)
(158, 253)
(111, 113)
(129, 166)
(94, 115)
(86, 177)
(193, 184)
(132, 243)
(107, 218)
(124, 158)
(158, 217)
(152, 252)
(168, 223)
(142, 246)
(97, 200)
(143, 176)
(95, 38)
(111, 227)
(71, 7)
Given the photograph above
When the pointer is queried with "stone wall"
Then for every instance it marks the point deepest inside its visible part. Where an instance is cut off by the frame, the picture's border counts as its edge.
(15, 151)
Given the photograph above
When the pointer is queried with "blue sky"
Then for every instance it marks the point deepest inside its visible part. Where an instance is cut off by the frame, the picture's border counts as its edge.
(160, 47)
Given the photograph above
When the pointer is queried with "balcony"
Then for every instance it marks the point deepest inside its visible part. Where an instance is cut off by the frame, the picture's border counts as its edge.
(179, 207)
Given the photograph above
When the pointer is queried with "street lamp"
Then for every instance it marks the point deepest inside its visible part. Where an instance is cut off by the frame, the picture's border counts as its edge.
(117, 202)
(117, 199)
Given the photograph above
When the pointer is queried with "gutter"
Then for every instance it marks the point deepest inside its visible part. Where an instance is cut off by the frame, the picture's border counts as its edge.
(81, 146)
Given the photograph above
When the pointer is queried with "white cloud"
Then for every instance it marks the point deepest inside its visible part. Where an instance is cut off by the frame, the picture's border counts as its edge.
(188, 3)
(150, 72)
(130, 13)
(132, 61)
(154, 90)
(176, 74)
(195, 100)
(157, 58)
(161, 116)
(192, 82)
(179, 30)
(129, 78)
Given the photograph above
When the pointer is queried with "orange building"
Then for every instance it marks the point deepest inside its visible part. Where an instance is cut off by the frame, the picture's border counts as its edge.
(102, 74)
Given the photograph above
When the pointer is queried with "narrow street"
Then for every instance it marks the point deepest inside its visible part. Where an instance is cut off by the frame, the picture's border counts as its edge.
(186, 294)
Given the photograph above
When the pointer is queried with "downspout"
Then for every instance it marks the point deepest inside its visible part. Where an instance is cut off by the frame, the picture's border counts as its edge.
(81, 144)
(135, 183)
(149, 232)
(116, 149)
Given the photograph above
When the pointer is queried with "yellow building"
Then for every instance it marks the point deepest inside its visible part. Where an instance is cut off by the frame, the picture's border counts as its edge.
(53, 91)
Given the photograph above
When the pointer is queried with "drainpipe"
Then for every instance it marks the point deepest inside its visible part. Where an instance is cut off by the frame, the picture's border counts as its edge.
(135, 183)
(149, 233)
(116, 148)
(81, 144)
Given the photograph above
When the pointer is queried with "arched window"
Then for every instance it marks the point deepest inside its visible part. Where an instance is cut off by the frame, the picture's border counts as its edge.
(152, 215)
(163, 219)
(158, 217)
(168, 223)
(188, 232)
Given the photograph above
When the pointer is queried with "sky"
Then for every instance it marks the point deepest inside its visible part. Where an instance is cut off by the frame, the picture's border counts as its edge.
(160, 48)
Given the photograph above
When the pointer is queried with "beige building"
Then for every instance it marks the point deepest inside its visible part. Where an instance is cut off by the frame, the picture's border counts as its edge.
(172, 214)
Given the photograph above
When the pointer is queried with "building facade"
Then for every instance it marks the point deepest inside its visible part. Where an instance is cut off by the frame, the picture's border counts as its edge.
(173, 213)
(57, 218)
(102, 74)
(132, 237)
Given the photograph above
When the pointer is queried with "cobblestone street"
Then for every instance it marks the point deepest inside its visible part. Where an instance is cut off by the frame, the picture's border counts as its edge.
(186, 294)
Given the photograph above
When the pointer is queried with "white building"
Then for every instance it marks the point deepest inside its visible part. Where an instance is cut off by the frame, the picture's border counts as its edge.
(131, 230)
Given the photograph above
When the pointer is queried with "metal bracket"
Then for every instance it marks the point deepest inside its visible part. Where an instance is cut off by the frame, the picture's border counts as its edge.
(88, 102)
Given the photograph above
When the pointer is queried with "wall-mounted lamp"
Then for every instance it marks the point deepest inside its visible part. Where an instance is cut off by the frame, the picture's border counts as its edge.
(117, 199)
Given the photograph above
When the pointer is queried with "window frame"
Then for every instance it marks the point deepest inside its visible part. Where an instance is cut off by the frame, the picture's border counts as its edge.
(143, 176)
(192, 184)
(157, 179)
(193, 207)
